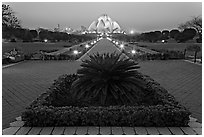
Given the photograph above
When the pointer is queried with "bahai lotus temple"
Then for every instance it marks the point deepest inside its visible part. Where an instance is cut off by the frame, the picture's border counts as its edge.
(104, 24)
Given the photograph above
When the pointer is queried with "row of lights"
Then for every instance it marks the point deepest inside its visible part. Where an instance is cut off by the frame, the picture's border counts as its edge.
(122, 47)
(86, 46)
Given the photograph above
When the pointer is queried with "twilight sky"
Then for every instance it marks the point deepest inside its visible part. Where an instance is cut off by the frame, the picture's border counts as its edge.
(139, 16)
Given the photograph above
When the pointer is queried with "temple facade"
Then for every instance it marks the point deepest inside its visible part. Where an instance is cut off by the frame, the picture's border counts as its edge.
(104, 24)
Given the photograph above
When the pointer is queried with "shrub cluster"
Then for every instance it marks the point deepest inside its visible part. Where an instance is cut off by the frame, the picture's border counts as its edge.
(60, 57)
(57, 107)
(6, 61)
(163, 55)
(158, 115)
(170, 54)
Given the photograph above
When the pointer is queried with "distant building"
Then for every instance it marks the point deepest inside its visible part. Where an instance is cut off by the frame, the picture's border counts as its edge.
(104, 24)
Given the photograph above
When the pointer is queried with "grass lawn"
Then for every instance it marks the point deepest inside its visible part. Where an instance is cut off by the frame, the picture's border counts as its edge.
(29, 47)
(171, 46)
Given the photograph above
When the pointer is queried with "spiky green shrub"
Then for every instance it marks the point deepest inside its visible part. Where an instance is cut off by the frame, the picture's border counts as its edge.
(109, 79)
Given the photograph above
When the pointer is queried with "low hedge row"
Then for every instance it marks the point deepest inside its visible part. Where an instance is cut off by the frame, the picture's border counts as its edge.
(107, 116)
(56, 107)
(163, 55)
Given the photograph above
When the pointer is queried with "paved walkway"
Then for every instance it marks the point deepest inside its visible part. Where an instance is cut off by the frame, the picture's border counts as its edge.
(182, 79)
(24, 82)
(17, 128)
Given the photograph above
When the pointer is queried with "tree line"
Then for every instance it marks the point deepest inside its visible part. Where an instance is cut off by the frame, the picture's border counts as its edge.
(179, 36)
(27, 35)
(12, 30)
(186, 31)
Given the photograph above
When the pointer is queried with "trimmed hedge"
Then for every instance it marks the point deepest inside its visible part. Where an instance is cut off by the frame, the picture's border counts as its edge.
(57, 107)
(107, 116)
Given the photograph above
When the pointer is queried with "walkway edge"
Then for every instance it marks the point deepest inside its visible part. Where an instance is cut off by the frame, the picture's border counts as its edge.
(87, 52)
(17, 127)
(13, 64)
(193, 62)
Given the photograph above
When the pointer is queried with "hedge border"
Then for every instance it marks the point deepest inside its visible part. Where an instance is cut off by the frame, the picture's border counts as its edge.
(170, 113)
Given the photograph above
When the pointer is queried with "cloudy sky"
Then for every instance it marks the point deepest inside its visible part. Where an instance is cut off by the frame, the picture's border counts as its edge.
(139, 16)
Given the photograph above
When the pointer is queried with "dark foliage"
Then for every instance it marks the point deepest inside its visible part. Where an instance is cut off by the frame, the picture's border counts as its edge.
(45, 110)
(60, 105)
(109, 79)
(107, 116)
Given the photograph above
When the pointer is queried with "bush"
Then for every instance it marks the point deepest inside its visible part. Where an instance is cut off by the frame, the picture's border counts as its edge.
(107, 116)
(171, 54)
(75, 100)
(57, 107)
(6, 61)
(109, 79)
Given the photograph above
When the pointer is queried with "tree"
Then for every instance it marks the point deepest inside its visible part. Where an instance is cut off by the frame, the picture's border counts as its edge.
(108, 79)
(173, 33)
(196, 23)
(8, 17)
(28, 37)
(34, 33)
(194, 48)
(189, 33)
(165, 34)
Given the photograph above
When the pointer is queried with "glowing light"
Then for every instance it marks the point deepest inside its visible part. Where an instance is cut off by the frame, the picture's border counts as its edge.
(133, 51)
(87, 46)
(76, 52)
(109, 38)
(116, 43)
(122, 46)
(45, 40)
(132, 32)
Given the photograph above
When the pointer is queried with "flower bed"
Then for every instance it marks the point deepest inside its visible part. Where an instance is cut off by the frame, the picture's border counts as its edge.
(56, 107)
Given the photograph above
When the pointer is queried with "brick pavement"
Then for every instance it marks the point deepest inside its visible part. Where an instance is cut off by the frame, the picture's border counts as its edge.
(24, 82)
(182, 79)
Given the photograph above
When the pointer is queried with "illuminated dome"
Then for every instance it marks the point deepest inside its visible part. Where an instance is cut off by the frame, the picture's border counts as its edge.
(104, 24)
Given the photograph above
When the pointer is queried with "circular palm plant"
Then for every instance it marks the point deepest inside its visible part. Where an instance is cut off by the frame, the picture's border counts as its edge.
(108, 79)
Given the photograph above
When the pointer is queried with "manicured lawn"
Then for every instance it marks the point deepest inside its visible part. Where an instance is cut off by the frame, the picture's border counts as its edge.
(29, 47)
(171, 46)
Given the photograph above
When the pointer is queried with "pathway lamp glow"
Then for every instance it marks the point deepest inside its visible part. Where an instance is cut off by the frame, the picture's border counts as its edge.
(76, 52)
(133, 51)
(132, 32)
(116, 43)
(45, 40)
(122, 46)
(87, 46)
